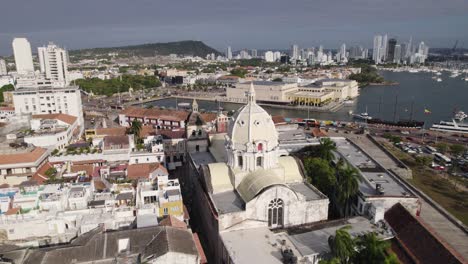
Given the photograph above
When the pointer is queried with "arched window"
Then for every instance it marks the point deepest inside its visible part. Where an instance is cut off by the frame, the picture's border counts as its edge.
(197, 148)
(275, 213)
(193, 132)
(240, 162)
(199, 132)
(260, 147)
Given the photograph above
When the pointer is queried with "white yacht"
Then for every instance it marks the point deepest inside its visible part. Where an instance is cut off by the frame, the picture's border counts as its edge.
(363, 115)
(453, 127)
(439, 80)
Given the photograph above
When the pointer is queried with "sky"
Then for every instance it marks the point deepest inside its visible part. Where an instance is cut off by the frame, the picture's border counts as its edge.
(260, 24)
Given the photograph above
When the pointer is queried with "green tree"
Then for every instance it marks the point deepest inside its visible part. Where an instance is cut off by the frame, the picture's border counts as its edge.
(277, 80)
(135, 129)
(342, 245)
(371, 249)
(320, 174)
(5, 88)
(50, 172)
(326, 148)
(329, 261)
(392, 259)
(240, 72)
(423, 161)
(347, 186)
(442, 147)
(457, 149)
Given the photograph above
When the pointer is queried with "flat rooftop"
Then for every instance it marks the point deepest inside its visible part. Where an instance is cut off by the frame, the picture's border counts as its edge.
(371, 171)
(305, 190)
(316, 242)
(202, 158)
(228, 202)
(256, 245)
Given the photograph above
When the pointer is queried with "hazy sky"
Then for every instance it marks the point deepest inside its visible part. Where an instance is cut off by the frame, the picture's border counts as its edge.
(240, 23)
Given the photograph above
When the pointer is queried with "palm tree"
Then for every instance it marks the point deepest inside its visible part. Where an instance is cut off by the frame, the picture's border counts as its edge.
(326, 148)
(342, 245)
(371, 249)
(135, 129)
(347, 186)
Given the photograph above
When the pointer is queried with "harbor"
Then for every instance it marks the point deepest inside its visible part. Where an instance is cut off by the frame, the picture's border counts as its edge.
(407, 100)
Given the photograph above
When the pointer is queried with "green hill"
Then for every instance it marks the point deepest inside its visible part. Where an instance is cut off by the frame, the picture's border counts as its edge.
(186, 47)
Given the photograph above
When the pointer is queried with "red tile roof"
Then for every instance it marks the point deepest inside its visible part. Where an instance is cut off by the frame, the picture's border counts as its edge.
(155, 113)
(318, 132)
(32, 156)
(7, 108)
(62, 117)
(39, 176)
(417, 240)
(172, 221)
(88, 169)
(136, 171)
(278, 119)
(172, 134)
(13, 211)
(111, 131)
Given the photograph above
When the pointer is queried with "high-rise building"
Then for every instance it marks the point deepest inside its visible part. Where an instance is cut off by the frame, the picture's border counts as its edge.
(253, 53)
(376, 56)
(3, 67)
(244, 55)
(23, 56)
(397, 54)
(53, 61)
(294, 52)
(229, 53)
(391, 50)
(384, 48)
(269, 56)
(277, 56)
(343, 52)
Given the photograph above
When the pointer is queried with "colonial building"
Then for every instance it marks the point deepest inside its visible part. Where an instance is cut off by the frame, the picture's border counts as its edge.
(246, 183)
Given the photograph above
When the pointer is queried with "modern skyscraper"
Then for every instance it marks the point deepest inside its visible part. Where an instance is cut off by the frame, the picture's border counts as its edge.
(397, 54)
(53, 61)
(229, 53)
(294, 52)
(343, 52)
(253, 53)
(3, 67)
(376, 56)
(391, 50)
(384, 48)
(23, 56)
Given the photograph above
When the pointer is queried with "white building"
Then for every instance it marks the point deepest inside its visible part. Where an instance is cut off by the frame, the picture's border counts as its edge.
(294, 52)
(377, 49)
(49, 100)
(23, 56)
(53, 61)
(53, 131)
(229, 53)
(3, 67)
(269, 56)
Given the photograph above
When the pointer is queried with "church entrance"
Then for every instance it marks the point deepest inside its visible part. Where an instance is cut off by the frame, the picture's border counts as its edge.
(275, 213)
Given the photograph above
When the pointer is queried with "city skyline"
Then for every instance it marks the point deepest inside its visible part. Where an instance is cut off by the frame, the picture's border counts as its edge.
(438, 23)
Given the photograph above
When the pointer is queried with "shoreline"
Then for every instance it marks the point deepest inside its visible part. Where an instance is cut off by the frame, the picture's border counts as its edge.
(328, 109)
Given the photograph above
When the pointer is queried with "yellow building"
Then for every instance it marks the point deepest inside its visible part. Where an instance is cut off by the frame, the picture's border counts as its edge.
(310, 98)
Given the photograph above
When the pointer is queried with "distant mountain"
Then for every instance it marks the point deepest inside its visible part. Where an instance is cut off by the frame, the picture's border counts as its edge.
(186, 47)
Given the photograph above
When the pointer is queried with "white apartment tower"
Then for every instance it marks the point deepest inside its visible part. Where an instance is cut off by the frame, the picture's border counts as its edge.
(3, 67)
(295, 52)
(49, 100)
(229, 53)
(53, 61)
(376, 56)
(269, 56)
(23, 56)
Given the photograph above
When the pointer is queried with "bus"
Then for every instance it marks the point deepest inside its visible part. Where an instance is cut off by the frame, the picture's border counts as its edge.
(442, 159)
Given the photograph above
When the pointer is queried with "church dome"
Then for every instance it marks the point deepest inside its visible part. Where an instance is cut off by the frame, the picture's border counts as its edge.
(252, 128)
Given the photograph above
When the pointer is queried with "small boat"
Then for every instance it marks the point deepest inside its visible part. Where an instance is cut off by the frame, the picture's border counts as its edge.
(363, 115)
(460, 116)
(452, 127)
(349, 102)
(438, 73)
(439, 80)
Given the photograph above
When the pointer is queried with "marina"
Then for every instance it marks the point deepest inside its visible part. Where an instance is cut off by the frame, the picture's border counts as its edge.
(416, 92)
